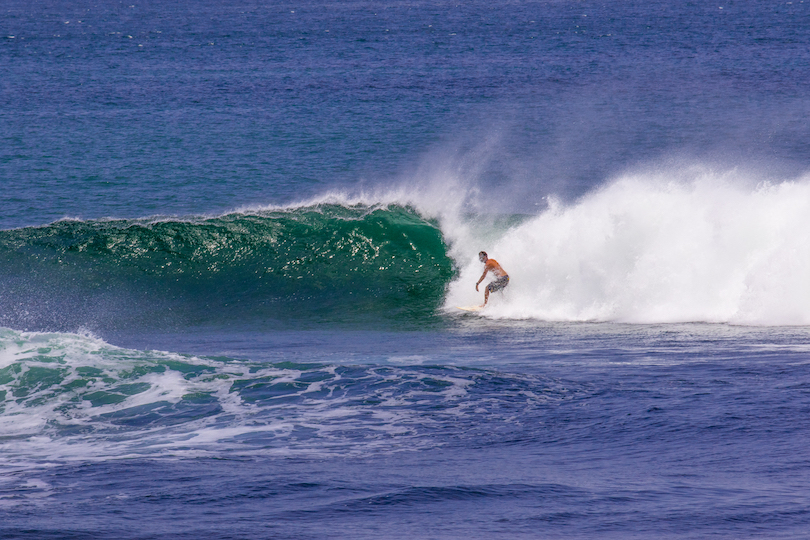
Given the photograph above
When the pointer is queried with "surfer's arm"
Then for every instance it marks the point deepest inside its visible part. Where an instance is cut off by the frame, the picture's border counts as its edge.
(486, 269)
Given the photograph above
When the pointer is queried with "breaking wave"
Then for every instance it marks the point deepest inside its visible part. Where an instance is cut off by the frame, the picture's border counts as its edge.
(684, 246)
(653, 248)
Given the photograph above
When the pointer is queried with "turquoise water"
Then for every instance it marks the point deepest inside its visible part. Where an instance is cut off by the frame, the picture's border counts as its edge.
(311, 263)
(233, 237)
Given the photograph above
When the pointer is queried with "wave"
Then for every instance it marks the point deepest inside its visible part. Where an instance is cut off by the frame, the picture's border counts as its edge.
(339, 261)
(685, 245)
(70, 397)
(677, 246)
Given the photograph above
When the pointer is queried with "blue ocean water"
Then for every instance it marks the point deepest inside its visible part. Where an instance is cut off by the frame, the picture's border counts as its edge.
(233, 237)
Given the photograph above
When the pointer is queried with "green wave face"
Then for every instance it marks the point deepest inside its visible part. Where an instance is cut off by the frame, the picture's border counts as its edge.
(323, 263)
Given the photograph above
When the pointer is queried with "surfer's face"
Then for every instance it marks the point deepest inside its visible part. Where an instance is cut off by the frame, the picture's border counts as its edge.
(482, 258)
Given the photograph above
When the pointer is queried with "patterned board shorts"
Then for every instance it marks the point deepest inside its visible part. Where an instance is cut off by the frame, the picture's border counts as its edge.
(498, 284)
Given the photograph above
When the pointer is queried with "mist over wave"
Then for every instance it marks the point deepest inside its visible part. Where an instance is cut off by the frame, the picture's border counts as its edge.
(656, 247)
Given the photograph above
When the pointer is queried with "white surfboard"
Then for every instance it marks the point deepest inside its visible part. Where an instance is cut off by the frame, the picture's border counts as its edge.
(470, 308)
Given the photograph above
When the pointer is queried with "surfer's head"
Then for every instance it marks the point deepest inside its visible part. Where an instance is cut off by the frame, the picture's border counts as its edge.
(483, 256)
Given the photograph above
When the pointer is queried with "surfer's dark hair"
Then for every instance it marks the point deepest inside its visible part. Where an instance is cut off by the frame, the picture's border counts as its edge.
(484, 253)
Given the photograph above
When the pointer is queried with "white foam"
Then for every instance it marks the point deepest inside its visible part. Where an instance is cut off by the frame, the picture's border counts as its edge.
(691, 245)
(83, 413)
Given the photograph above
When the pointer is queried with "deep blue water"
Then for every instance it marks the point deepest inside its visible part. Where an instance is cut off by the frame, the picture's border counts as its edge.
(233, 237)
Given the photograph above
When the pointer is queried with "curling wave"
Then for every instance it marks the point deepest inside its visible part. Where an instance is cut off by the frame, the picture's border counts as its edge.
(326, 261)
(673, 246)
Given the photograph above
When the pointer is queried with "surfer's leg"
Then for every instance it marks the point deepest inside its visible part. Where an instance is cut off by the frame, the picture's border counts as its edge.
(497, 285)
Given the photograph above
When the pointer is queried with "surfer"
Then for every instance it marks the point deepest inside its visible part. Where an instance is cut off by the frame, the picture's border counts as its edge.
(501, 277)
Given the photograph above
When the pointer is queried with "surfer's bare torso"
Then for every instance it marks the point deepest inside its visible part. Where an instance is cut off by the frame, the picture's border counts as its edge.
(501, 277)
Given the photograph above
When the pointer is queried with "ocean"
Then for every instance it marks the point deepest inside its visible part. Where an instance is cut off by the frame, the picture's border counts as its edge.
(234, 237)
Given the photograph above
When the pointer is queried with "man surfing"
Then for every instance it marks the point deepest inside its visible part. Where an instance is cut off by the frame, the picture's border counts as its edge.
(501, 277)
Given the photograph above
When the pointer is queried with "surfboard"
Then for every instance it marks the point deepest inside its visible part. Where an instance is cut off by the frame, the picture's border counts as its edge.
(470, 308)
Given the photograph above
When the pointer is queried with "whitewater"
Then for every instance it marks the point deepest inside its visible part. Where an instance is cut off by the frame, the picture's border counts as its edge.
(656, 248)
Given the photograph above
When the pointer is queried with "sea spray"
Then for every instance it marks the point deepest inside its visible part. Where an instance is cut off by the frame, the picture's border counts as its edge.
(654, 249)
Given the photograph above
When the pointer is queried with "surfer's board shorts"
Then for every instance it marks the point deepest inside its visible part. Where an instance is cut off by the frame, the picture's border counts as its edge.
(498, 284)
